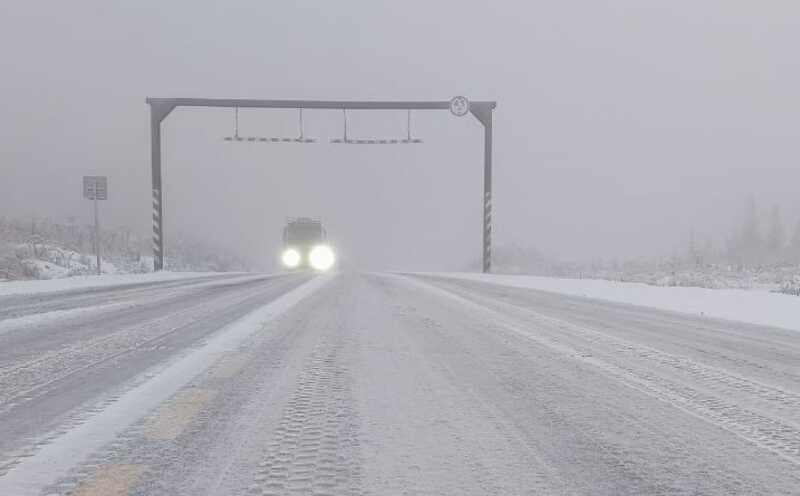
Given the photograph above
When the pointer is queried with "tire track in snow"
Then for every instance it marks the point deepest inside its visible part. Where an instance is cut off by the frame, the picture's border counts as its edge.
(20, 323)
(21, 382)
(16, 306)
(316, 445)
(423, 397)
(62, 451)
(768, 431)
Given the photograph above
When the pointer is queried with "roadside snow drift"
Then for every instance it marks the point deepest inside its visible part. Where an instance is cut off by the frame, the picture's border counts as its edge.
(83, 282)
(754, 307)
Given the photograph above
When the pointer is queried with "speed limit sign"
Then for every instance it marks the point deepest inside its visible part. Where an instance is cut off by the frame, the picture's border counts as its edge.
(459, 106)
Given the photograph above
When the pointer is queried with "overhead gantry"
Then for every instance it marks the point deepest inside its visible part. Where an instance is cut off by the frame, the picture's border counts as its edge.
(160, 108)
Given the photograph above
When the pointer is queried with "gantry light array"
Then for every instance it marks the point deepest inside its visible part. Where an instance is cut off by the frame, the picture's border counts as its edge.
(344, 140)
(300, 139)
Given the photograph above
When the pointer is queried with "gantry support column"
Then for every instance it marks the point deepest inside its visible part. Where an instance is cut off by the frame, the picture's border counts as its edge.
(483, 112)
(158, 111)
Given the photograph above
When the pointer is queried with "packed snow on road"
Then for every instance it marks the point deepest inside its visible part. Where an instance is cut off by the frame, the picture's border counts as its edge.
(379, 383)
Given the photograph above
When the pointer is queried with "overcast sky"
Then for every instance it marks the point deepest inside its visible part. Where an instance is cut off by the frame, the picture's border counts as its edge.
(620, 125)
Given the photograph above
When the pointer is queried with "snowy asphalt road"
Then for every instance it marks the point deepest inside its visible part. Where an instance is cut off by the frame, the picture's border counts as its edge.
(387, 384)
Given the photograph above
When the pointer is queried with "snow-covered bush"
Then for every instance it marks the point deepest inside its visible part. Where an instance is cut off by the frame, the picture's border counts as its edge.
(791, 285)
(43, 249)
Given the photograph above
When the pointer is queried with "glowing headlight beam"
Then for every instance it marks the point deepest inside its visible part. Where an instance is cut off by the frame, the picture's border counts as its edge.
(321, 257)
(290, 258)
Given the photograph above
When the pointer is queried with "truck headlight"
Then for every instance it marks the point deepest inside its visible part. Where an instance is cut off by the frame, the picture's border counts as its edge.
(290, 258)
(321, 257)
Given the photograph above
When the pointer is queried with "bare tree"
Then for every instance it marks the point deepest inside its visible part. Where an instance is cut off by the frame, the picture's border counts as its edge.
(745, 247)
(776, 236)
(794, 244)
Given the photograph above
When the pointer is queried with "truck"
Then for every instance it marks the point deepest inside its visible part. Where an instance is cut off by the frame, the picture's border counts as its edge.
(305, 245)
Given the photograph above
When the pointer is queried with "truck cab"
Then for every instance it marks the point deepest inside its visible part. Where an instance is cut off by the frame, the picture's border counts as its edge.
(305, 245)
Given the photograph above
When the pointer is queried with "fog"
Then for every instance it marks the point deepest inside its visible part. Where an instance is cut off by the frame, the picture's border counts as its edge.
(620, 125)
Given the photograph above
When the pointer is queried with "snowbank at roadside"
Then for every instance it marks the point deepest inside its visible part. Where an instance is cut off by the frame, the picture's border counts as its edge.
(754, 307)
(82, 282)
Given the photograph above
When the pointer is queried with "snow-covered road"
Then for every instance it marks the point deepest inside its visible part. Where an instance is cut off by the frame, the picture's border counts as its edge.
(387, 384)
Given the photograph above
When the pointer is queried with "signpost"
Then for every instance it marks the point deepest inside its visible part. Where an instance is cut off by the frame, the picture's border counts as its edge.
(96, 188)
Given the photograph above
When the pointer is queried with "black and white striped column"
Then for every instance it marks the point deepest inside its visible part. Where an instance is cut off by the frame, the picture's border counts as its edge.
(158, 244)
(156, 115)
(486, 119)
(487, 231)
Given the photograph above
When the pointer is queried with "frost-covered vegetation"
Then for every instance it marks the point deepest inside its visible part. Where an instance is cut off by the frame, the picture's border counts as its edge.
(753, 257)
(46, 249)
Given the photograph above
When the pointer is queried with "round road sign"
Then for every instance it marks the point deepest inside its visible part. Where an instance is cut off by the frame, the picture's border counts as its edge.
(459, 105)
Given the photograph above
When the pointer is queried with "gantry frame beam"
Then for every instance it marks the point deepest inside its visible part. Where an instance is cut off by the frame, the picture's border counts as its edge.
(160, 108)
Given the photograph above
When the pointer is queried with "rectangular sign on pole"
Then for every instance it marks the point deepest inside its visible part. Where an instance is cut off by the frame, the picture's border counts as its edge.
(101, 187)
(95, 187)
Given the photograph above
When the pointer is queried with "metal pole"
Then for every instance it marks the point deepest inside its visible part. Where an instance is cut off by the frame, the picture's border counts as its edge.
(96, 231)
(487, 193)
(158, 225)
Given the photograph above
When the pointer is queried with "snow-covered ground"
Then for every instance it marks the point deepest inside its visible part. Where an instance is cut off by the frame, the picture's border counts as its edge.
(387, 384)
(51, 261)
(754, 307)
(777, 278)
(83, 282)
(53, 249)
(78, 444)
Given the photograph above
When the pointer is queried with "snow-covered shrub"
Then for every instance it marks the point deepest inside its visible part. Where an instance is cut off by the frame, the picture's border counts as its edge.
(791, 285)
(39, 269)
(42, 248)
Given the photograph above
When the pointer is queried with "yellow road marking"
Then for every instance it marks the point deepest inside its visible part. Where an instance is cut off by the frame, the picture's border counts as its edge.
(172, 418)
(113, 480)
(230, 365)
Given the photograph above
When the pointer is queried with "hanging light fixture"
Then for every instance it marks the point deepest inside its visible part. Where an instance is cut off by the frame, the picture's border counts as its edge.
(262, 139)
(235, 136)
(302, 138)
(409, 139)
(345, 140)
